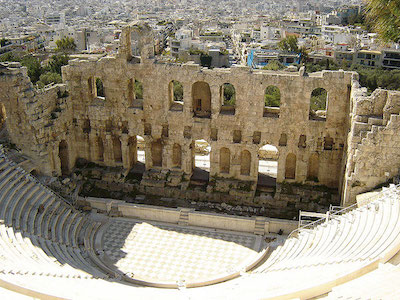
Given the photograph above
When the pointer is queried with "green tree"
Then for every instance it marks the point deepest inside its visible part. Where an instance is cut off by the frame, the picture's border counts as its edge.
(138, 89)
(66, 44)
(3, 42)
(34, 67)
(99, 88)
(318, 99)
(384, 17)
(229, 94)
(303, 54)
(56, 62)
(178, 91)
(289, 44)
(9, 56)
(205, 60)
(272, 96)
(274, 65)
(48, 78)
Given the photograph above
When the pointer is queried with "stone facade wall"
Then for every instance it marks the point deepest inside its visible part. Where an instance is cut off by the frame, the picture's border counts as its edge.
(35, 118)
(56, 129)
(374, 141)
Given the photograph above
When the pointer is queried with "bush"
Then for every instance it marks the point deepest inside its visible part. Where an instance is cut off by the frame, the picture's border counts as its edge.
(48, 78)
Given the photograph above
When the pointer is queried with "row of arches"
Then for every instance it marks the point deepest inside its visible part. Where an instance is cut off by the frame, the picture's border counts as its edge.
(136, 152)
(201, 98)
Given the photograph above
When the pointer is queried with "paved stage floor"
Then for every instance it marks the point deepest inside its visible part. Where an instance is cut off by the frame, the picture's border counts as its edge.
(162, 252)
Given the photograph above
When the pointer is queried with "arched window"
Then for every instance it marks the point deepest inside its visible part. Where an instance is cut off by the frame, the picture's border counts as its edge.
(245, 162)
(132, 151)
(117, 149)
(224, 160)
(156, 153)
(100, 149)
(283, 140)
(175, 92)
(99, 88)
(228, 99)
(63, 155)
(290, 166)
(272, 101)
(138, 90)
(176, 156)
(201, 99)
(313, 167)
(318, 104)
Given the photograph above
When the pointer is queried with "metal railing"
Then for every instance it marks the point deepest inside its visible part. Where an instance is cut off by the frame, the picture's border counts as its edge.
(330, 215)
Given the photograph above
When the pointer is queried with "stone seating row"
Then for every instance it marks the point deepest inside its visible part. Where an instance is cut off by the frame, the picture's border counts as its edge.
(40, 233)
(362, 234)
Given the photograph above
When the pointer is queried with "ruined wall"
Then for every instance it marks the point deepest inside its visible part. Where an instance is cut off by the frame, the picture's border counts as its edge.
(373, 142)
(103, 129)
(115, 117)
(33, 117)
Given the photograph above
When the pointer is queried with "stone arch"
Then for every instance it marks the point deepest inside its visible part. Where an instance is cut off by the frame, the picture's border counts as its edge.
(290, 166)
(268, 156)
(117, 149)
(63, 155)
(140, 149)
(138, 90)
(272, 101)
(227, 99)
(100, 149)
(224, 160)
(201, 151)
(175, 95)
(201, 99)
(176, 156)
(100, 93)
(135, 93)
(245, 162)
(318, 104)
(156, 153)
(313, 167)
(132, 150)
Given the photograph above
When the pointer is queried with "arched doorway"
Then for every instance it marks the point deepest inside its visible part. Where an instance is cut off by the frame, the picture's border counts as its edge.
(290, 166)
(137, 156)
(245, 162)
(63, 155)
(267, 168)
(201, 150)
(201, 99)
(156, 153)
(224, 160)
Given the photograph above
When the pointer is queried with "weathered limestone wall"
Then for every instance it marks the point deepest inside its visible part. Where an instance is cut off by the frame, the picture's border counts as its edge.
(374, 141)
(33, 117)
(115, 117)
(56, 129)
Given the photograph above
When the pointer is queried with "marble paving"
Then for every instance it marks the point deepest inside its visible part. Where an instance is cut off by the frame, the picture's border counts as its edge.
(172, 253)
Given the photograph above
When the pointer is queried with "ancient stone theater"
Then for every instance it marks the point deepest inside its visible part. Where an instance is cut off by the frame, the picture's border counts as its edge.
(116, 123)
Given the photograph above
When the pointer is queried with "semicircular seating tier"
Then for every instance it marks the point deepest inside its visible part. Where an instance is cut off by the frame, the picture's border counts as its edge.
(49, 249)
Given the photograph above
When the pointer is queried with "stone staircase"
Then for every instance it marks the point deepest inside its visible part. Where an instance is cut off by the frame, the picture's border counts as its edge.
(259, 226)
(184, 216)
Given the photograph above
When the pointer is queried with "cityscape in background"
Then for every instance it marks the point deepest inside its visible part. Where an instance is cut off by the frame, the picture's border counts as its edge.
(230, 32)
